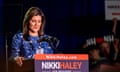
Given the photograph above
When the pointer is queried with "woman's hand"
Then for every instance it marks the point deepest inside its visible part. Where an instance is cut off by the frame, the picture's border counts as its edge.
(19, 60)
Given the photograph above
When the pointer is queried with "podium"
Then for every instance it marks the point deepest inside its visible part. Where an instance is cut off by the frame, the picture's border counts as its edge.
(28, 66)
(53, 63)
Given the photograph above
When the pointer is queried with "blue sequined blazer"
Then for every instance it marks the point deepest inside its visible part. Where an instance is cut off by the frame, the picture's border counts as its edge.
(27, 49)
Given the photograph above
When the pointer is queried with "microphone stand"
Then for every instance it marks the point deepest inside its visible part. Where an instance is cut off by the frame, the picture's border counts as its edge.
(54, 47)
(6, 52)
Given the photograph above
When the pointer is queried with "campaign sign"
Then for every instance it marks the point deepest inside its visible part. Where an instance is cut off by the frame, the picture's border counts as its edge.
(61, 63)
(112, 9)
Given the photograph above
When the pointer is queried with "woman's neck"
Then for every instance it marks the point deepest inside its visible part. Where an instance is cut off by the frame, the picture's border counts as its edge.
(33, 33)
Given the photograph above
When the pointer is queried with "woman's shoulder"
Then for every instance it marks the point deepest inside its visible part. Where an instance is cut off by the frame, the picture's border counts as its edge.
(18, 35)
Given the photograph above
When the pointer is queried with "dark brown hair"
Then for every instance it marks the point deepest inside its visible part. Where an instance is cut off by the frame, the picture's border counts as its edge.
(33, 11)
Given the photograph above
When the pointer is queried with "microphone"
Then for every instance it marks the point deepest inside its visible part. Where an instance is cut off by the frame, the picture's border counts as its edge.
(48, 39)
(51, 38)
(53, 41)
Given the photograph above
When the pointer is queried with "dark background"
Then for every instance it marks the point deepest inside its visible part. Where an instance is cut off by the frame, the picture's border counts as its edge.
(71, 21)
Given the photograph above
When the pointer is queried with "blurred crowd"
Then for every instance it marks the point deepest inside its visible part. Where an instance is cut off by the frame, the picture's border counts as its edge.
(104, 52)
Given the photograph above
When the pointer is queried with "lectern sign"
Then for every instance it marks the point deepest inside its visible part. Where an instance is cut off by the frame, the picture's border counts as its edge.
(61, 63)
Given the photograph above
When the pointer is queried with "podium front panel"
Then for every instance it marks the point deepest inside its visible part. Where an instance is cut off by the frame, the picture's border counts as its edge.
(61, 63)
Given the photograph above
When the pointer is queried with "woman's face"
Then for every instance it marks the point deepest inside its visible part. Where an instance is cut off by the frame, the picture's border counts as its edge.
(35, 23)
